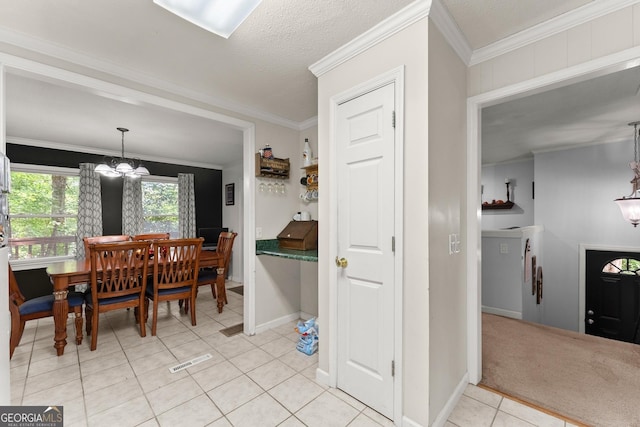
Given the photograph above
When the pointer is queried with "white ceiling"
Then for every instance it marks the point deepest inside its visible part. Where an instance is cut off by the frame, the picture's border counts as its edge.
(260, 71)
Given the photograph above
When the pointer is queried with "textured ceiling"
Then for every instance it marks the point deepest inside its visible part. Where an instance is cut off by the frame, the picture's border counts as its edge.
(260, 71)
(263, 65)
(590, 112)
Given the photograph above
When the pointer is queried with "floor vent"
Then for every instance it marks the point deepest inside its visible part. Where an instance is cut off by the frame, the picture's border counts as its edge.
(190, 363)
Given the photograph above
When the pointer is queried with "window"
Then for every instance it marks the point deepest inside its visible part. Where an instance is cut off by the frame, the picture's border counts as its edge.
(623, 266)
(43, 209)
(160, 206)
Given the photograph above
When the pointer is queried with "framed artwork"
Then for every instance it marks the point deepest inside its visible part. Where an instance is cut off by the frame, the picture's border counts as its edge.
(229, 194)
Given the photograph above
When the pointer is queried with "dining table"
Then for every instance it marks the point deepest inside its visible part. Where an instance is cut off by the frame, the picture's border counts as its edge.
(73, 272)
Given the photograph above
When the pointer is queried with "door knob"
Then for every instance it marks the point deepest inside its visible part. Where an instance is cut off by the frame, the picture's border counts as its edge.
(341, 262)
(590, 312)
(590, 321)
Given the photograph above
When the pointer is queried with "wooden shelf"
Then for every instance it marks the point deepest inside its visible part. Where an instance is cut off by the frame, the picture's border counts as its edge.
(272, 168)
(505, 205)
(312, 170)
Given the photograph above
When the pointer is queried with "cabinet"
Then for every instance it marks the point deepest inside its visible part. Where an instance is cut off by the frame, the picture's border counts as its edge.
(272, 168)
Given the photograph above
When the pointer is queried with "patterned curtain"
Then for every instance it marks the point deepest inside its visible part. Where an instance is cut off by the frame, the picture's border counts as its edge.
(132, 219)
(187, 206)
(89, 207)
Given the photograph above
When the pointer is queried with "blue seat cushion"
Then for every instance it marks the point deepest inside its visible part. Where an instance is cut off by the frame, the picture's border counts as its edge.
(114, 300)
(170, 291)
(45, 303)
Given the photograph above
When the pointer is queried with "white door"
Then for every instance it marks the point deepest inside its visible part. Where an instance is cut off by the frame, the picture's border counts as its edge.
(365, 171)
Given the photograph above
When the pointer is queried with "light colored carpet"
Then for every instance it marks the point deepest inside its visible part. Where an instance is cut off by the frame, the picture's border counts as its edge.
(590, 379)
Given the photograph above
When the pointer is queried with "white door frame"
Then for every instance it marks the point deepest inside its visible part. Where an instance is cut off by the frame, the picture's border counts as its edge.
(395, 76)
(595, 68)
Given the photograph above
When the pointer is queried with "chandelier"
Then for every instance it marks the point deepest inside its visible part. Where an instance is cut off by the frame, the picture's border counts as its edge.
(630, 205)
(121, 166)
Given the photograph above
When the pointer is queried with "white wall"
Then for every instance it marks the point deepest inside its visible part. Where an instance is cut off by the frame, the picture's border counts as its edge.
(575, 190)
(277, 281)
(5, 315)
(232, 218)
(447, 194)
(309, 270)
(520, 175)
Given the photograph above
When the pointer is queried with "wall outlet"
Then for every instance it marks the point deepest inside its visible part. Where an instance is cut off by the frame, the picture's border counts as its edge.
(258, 232)
(504, 248)
(454, 244)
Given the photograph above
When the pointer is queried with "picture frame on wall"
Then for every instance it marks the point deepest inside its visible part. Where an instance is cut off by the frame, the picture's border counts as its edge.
(229, 194)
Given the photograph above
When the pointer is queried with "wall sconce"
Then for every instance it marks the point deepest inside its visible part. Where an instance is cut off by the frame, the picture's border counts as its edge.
(630, 205)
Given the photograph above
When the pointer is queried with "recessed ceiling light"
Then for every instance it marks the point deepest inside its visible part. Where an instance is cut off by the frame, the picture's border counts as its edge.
(221, 17)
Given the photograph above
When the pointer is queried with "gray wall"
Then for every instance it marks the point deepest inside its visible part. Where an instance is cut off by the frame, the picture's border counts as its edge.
(575, 190)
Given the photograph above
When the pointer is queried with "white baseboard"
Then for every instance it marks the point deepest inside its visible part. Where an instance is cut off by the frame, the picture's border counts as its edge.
(448, 408)
(502, 312)
(277, 322)
(322, 377)
(408, 422)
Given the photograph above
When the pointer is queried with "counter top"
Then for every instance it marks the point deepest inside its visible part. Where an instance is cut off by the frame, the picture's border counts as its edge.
(514, 231)
(272, 247)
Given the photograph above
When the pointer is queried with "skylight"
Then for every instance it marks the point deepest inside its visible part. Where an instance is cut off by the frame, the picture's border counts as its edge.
(221, 17)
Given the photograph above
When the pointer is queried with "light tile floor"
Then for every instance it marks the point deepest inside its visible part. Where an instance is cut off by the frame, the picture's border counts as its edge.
(248, 381)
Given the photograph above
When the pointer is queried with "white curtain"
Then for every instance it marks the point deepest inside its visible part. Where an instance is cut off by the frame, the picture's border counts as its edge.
(187, 206)
(132, 218)
(89, 207)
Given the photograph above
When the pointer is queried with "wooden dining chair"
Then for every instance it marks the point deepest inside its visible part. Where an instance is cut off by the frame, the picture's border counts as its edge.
(118, 280)
(23, 310)
(152, 237)
(209, 276)
(103, 239)
(175, 274)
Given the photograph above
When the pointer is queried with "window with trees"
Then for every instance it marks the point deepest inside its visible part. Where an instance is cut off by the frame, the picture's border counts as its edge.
(43, 210)
(628, 266)
(160, 206)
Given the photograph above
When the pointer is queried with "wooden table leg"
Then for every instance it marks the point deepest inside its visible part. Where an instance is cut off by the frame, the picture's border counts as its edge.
(60, 312)
(220, 291)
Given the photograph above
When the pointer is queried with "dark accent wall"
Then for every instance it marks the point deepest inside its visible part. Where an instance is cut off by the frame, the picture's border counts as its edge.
(207, 187)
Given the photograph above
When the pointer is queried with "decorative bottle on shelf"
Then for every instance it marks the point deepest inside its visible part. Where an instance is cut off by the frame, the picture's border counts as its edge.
(306, 153)
(267, 153)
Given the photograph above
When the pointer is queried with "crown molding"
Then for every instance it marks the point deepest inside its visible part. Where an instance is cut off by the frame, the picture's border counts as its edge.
(549, 28)
(450, 30)
(101, 152)
(309, 123)
(59, 52)
(392, 25)
(385, 29)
